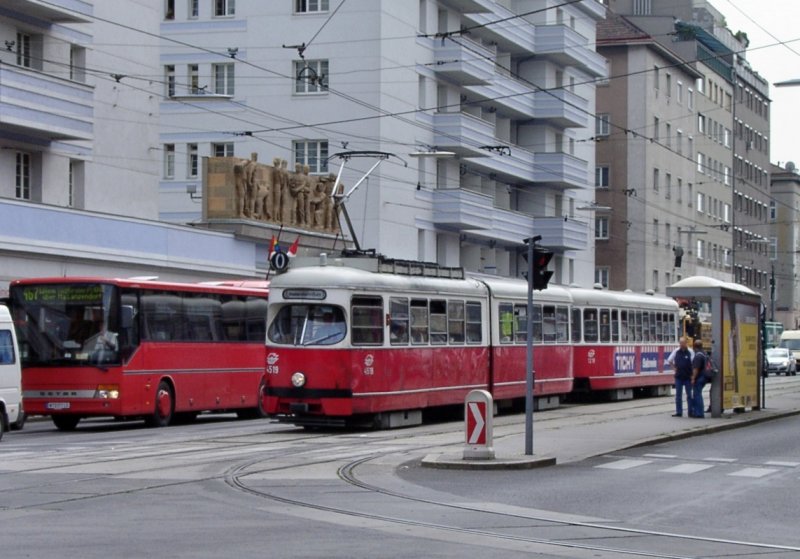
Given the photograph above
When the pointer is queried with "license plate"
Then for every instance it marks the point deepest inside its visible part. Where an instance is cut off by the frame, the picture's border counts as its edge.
(57, 405)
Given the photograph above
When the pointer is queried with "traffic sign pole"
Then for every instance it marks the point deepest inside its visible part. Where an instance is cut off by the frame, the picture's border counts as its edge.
(529, 373)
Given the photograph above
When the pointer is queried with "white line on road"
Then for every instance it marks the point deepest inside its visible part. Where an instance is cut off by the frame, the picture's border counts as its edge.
(783, 464)
(624, 464)
(753, 472)
(660, 455)
(687, 468)
(725, 460)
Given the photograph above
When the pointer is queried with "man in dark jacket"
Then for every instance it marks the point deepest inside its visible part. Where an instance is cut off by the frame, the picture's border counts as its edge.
(696, 406)
(681, 361)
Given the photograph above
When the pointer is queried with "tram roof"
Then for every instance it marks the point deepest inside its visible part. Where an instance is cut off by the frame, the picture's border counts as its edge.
(518, 289)
(601, 297)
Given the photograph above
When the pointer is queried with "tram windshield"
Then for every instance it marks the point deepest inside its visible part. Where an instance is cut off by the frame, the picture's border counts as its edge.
(304, 325)
(66, 324)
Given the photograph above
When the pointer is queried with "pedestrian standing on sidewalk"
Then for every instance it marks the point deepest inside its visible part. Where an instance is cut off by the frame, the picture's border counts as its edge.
(696, 406)
(681, 361)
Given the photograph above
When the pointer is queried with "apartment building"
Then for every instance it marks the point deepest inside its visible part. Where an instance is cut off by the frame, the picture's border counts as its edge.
(783, 303)
(484, 106)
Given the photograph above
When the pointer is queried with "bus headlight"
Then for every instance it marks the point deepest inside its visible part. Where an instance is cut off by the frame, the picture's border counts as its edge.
(107, 392)
(298, 380)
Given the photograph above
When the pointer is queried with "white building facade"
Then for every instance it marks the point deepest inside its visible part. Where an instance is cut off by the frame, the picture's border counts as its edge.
(496, 116)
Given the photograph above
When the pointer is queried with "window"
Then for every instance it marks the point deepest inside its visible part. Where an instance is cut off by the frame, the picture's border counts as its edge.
(690, 98)
(726, 176)
(23, 176)
(726, 213)
(773, 211)
(398, 321)
(655, 179)
(192, 160)
(295, 324)
(679, 189)
(313, 153)
(690, 147)
(24, 50)
(474, 323)
(668, 135)
(575, 319)
(169, 161)
(169, 9)
(726, 141)
(602, 125)
(367, 320)
(194, 8)
(224, 7)
(679, 142)
(194, 80)
(71, 184)
(601, 176)
(222, 149)
(701, 124)
(455, 322)
(169, 79)
(601, 227)
(642, 7)
(438, 322)
(656, 78)
(77, 63)
(668, 185)
(309, 6)
(419, 321)
(668, 84)
(655, 231)
(223, 78)
(506, 315)
(701, 163)
(311, 76)
(656, 126)
(679, 92)
(655, 288)
(701, 245)
(590, 325)
(7, 356)
(700, 202)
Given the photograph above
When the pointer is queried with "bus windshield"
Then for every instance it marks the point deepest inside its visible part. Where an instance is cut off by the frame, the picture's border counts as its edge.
(66, 324)
(300, 324)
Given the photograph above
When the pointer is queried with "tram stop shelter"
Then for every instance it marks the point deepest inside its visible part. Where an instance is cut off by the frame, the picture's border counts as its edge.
(736, 343)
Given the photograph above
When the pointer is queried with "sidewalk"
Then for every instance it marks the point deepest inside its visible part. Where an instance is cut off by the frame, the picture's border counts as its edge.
(576, 432)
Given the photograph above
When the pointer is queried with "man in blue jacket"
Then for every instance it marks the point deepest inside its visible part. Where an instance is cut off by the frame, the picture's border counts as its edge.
(681, 361)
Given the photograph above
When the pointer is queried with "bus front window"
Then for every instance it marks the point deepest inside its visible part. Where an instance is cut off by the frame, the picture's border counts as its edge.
(66, 324)
(304, 325)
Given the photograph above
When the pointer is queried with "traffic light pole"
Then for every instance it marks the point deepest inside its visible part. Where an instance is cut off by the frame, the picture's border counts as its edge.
(530, 375)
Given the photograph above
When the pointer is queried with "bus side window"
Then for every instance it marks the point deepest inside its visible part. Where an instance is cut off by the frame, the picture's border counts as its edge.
(367, 320)
(438, 322)
(455, 322)
(474, 323)
(590, 325)
(576, 326)
(255, 317)
(129, 324)
(419, 321)
(506, 315)
(398, 320)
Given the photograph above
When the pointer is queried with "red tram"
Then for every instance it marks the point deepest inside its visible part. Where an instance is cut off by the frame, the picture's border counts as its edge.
(363, 343)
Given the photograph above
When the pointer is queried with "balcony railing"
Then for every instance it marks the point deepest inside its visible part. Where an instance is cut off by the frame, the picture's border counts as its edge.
(45, 106)
(562, 233)
(56, 11)
(462, 133)
(463, 60)
(562, 107)
(568, 47)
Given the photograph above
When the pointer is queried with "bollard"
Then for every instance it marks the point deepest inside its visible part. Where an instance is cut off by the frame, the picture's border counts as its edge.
(478, 413)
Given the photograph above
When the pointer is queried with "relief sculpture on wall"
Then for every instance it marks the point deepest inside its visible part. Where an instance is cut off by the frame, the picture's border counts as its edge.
(245, 188)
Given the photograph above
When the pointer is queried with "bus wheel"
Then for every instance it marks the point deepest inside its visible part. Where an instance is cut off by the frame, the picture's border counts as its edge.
(257, 412)
(65, 422)
(164, 408)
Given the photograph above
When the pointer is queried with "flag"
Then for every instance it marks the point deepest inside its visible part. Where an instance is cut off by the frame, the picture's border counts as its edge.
(293, 249)
(273, 247)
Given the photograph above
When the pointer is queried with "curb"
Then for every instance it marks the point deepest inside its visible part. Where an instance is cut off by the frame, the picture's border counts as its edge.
(457, 462)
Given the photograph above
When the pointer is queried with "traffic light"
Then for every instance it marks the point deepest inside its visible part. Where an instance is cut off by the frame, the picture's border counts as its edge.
(541, 275)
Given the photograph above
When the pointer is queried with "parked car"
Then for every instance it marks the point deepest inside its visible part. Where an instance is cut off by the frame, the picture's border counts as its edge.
(781, 360)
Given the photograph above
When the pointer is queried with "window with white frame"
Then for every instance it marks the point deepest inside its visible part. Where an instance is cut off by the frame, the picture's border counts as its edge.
(24, 45)
(701, 163)
(601, 176)
(701, 249)
(690, 98)
(224, 7)
(169, 79)
(223, 75)
(701, 202)
(726, 176)
(601, 275)
(194, 79)
(310, 6)
(169, 161)
(726, 213)
(679, 92)
(602, 124)
(313, 153)
(23, 176)
(169, 9)
(679, 142)
(311, 76)
(192, 160)
(222, 149)
(601, 227)
(773, 210)
(194, 8)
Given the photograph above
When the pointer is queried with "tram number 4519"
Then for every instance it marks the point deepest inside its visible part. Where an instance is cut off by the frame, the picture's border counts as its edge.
(369, 370)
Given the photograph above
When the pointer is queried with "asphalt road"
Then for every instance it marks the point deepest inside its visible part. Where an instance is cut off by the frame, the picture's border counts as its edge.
(223, 487)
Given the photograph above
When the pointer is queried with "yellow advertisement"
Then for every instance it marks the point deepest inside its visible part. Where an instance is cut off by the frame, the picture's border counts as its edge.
(739, 355)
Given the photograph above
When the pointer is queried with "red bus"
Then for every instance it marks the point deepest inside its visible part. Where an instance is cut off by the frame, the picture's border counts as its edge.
(134, 349)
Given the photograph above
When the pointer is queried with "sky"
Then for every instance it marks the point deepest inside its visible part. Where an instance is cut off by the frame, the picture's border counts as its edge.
(775, 62)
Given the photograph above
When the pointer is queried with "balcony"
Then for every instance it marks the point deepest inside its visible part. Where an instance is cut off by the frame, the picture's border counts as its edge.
(515, 167)
(462, 133)
(561, 107)
(509, 35)
(55, 11)
(561, 170)
(513, 97)
(562, 233)
(567, 47)
(463, 60)
(45, 106)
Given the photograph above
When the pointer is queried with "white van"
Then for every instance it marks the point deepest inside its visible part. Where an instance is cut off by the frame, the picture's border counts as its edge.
(11, 413)
(791, 339)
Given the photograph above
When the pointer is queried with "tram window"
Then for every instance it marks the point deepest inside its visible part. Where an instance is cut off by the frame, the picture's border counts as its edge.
(398, 321)
(653, 327)
(419, 321)
(623, 326)
(438, 316)
(474, 323)
(590, 325)
(562, 324)
(659, 327)
(548, 324)
(299, 324)
(576, 326)
(605, 325)
(506, 315)
(367, 320)
(671, 333)
(455, 322)
(638, 331)
(614, 325)
(521, 323)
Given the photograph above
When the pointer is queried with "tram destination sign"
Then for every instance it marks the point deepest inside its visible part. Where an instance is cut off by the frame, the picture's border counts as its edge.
(73, 294)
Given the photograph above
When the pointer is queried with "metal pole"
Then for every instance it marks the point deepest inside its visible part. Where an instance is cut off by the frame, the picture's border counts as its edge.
(529, 374)
(772, 295)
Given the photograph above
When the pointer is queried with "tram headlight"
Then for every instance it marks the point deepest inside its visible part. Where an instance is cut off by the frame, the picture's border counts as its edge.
(107, 392)
(298, 380)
